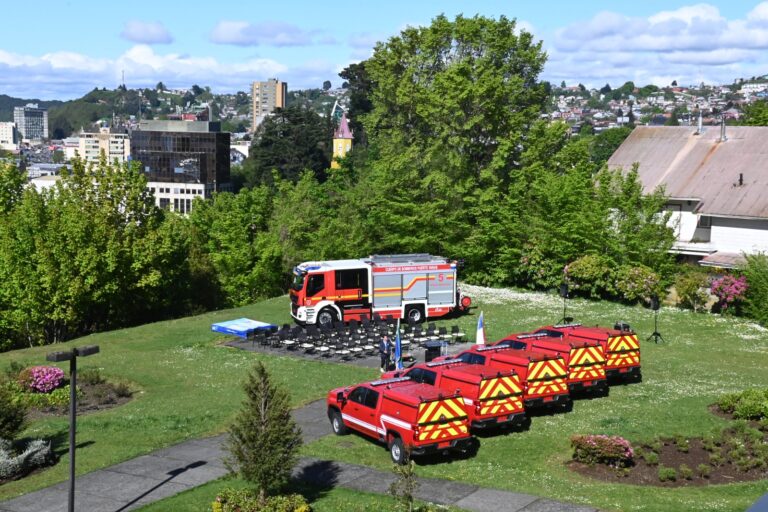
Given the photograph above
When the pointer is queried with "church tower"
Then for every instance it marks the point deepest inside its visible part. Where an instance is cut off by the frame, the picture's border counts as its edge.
(342, 141)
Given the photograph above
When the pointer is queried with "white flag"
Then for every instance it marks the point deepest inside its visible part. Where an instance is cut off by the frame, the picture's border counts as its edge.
(480, 338)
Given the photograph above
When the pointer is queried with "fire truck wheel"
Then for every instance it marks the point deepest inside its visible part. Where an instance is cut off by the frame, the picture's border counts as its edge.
(326, 317)
(396, 450)
(414, 314)
(337, 424)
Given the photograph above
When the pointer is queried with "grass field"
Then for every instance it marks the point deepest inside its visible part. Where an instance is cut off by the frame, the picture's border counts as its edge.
(187, 386)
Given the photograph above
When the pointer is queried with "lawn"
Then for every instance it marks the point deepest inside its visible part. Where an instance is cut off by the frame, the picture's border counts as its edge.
(187, 386)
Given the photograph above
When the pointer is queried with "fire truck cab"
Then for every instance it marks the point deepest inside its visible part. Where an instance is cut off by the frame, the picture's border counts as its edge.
(412, 286)
(585, 358)
(407, 415)
(492, 397)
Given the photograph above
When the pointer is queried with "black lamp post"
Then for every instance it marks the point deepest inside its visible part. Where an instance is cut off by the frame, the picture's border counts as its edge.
(71, 356)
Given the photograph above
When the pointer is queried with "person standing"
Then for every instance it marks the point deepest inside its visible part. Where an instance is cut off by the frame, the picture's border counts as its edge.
(385, 349)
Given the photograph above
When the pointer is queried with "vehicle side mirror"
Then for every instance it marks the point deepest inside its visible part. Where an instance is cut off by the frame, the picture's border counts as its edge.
(340, 397)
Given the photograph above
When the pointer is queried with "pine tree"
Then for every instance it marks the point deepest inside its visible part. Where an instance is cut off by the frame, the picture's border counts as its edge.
(263, 439)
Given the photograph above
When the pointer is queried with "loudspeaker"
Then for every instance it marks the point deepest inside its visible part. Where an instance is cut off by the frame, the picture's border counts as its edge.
(564, 290)
(655, 304)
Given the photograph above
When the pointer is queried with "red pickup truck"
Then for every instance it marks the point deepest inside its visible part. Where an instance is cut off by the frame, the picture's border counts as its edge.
(621, 346)
(543, 376)
(404, 414)
(492, 397)
(585, 358)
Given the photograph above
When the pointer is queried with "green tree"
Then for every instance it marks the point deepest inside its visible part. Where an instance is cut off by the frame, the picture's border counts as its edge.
(605, 89)
(756, 271)
(12, 183)
(327, 85)
(606, 143)
(360, 88)
(58, 157)
(264, 439)
(292, 140)
(756, 113)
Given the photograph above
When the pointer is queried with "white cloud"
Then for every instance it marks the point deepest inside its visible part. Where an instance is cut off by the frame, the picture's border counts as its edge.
(690, 44)
(146, 32)
(243, 33)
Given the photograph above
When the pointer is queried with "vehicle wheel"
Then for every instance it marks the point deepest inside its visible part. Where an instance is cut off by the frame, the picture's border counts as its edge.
(337, 424)
(414, 314)
(397, 450)
(326, 317)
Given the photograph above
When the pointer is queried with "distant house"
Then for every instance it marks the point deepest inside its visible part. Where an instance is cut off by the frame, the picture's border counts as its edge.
(716, 181)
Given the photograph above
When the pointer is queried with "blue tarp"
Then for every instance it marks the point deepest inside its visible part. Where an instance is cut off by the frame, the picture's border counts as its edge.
(241, 327)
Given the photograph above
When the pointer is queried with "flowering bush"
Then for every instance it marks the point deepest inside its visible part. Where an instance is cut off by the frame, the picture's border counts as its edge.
(591, 276)
(612, 450)
(636, 283)
(245, 500)
(41, 379)
(729, 289)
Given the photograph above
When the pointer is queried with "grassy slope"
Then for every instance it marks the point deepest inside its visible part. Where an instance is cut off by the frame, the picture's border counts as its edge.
(189, 387)
(704, 357)
(186, 387)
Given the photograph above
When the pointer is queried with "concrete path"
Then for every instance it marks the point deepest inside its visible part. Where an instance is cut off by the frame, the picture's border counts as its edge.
(134, 483)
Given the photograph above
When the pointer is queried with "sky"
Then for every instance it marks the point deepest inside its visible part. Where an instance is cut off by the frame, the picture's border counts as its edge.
(63, 49)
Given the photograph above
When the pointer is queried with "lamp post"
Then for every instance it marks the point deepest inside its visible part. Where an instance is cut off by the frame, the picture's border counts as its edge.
(71, 356)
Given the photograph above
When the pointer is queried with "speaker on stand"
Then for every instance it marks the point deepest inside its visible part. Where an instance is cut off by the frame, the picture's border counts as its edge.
(655, 306)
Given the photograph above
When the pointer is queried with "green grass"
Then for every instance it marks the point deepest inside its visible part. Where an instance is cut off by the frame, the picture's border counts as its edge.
(188, 387)
(200, 498)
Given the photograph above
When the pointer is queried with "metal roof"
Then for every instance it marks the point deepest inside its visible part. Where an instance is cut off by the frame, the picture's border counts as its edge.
(729, 178)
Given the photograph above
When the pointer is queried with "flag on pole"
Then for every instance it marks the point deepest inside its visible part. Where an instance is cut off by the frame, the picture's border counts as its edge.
(398, 348)
(480, 338)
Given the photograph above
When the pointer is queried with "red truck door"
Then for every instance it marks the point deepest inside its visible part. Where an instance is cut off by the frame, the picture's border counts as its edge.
(360, 410)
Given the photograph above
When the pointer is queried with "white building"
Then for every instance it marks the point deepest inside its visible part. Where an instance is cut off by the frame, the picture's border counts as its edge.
(32, 122)
(9, 140)
(716, 181)
(116, 146)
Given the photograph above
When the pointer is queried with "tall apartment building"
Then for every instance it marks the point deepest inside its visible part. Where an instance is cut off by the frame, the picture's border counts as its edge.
(9, 140)
(116, 145)
(265, 98)
(32, 122)
(182, 160)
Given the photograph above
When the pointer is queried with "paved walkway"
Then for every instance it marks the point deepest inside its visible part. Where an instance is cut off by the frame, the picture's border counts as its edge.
(134, 483)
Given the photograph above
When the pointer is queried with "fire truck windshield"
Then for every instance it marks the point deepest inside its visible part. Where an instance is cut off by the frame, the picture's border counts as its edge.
(298, 281)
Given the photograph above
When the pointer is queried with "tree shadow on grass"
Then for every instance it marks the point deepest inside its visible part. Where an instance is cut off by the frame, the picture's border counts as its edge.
(316, 480)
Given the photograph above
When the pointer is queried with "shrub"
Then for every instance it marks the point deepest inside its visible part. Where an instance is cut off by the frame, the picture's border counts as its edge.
(756, 299)
(652, 458)
(41, 379)
(689, 285)
(636, 283)
(122, 389)
(405, 484)
(704, 470)
(13, 414)
(667, 474)
(682, 444)
(591, 275)
(90, 376)
(716, 459)
(612, 450)
(245, 500)
(729, 290)
(37, 454)
(727, 403)
(264, 439)
(751, 404)
(58, 398)
(685, 472)
(13, 370)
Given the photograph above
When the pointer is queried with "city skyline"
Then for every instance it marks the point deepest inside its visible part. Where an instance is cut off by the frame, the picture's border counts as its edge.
(82, 45)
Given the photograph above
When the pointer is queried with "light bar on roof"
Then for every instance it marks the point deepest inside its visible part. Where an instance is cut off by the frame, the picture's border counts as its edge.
(443, 363)
(532, 335)
(492, 347)
(563, 326)
(389, 381)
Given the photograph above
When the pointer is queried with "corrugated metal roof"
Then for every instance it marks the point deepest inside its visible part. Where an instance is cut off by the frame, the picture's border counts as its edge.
(702, 167)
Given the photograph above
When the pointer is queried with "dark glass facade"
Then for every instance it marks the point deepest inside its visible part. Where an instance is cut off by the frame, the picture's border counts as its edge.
(182, 157)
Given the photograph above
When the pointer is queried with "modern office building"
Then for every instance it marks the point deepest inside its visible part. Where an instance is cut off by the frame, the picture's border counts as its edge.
(115, 143)
(182, 160)
(32, 122)
(265, 98)
(9, 140)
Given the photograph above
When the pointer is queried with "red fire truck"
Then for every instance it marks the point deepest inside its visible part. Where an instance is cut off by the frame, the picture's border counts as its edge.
(492, 397)
(402, 413)
(544, 377)
(412, 286)
(585, 358)
(622, 348)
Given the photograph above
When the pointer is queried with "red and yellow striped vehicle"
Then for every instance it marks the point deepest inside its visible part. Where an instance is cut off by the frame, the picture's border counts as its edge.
(491, 397)
(405, 414)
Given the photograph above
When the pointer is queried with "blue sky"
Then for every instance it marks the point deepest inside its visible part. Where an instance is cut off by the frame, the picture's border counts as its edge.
(61, 50)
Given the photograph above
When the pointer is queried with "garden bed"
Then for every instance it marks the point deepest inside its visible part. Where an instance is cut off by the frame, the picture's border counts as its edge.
(91, 397)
